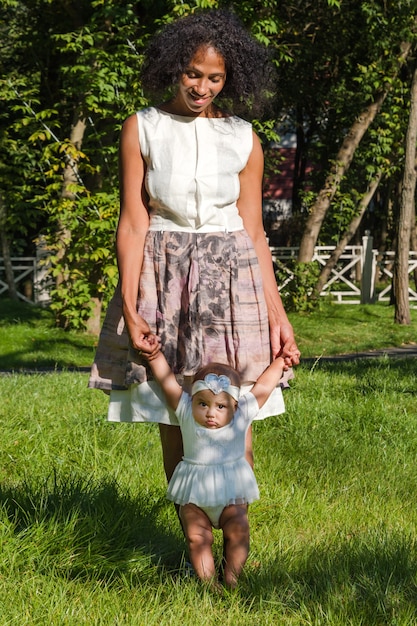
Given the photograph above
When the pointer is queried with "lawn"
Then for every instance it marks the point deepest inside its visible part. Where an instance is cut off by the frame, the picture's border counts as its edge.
(29, 338)
(88, 538)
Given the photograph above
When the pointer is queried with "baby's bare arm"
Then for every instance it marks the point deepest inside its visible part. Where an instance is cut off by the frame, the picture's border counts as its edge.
(268, 380)
(165, 377)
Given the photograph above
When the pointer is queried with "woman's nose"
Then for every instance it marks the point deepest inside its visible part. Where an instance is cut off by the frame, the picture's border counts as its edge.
(201, 86)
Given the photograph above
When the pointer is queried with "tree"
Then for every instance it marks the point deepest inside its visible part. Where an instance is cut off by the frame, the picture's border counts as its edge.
(400, 283)
(332, 183)
(5, 250)
(67, 114)
(347, 236)
(381, 79)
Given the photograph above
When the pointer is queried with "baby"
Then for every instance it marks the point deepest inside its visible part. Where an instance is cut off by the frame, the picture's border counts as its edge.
(214, 483)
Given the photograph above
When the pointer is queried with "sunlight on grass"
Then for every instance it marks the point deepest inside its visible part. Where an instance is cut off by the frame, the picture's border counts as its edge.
(87, 536)
(343, 329)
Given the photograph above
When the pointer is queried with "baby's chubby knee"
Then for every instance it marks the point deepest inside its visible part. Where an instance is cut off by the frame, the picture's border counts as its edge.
(234, 522)
(197, 526)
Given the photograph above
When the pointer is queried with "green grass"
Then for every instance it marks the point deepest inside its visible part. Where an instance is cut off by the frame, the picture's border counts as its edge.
(88, 538)
(29, 338)
(345, 328)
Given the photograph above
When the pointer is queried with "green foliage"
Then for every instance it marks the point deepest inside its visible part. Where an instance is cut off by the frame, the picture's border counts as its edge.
(90, 70)
(335, 72)
(85, 262)
(299, 280)
(62, 65)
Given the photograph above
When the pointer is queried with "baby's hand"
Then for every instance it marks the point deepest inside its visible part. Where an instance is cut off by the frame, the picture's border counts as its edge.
(152, 340)
(152, 346)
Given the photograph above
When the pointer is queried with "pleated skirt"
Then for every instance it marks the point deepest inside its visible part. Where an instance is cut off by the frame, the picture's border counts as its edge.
(202, 294)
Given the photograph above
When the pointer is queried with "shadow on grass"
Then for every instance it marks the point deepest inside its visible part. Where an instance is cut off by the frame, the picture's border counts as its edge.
(369, 579)
(21, 312)
(362, 369)
(85, 530)
(32, 342)
(59, 353)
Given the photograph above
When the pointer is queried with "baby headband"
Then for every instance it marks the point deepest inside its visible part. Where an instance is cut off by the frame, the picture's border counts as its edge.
(216, 384)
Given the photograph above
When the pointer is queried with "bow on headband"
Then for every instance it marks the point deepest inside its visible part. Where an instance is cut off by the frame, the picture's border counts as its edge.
(216, 384)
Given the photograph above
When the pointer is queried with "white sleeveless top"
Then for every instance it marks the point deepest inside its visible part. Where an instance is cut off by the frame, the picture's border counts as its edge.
(193, 166)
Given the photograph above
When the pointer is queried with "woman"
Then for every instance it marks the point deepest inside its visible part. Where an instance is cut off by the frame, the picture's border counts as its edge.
(195, 267)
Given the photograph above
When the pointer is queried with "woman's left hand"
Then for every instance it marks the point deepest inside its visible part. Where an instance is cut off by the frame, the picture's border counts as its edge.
(151, 347)
(283, 344)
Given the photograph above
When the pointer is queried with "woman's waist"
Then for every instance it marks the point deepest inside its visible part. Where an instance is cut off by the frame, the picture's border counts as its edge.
(211, 222)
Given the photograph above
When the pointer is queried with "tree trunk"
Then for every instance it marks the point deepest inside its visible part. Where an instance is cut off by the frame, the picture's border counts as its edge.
(413, 237)
(94, 322)
(402, 304)
(5, 250)
(342, 162)
(341, 165)
(70, 177)
(349, 233)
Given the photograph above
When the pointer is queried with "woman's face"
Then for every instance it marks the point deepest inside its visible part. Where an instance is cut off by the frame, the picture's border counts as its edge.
(202, 81)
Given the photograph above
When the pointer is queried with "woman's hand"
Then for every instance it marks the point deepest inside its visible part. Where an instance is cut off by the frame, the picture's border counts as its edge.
(154, 347)
(283, 344)
(141, 337)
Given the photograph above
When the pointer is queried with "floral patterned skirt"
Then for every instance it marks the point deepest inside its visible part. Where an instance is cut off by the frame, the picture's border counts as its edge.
(203, 295)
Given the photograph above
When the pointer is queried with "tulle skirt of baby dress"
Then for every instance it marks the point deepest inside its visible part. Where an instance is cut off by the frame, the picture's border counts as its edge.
(202, 294)
(213, 485)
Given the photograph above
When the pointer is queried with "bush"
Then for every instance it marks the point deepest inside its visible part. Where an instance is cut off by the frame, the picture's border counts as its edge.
(297, 291)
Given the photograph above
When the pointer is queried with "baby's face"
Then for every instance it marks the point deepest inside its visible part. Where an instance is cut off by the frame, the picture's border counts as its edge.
(213, 410)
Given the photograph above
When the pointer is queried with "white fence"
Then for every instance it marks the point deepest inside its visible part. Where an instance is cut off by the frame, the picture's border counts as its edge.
(361, 274)
(30, 278)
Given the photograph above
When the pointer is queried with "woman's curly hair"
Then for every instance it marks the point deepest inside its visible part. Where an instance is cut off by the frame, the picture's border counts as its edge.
(248, 68)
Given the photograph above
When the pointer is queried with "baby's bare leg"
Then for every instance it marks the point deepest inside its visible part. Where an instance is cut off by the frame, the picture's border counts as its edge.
(199, 534)
(235, 526)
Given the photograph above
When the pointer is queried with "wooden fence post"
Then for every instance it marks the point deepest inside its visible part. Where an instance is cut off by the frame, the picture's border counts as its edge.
(367, 282)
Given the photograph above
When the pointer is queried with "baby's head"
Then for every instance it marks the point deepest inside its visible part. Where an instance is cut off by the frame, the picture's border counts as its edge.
(215, 393)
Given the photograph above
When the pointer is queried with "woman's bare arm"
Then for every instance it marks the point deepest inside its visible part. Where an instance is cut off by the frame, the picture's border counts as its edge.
(132, 228)
(250, 208)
